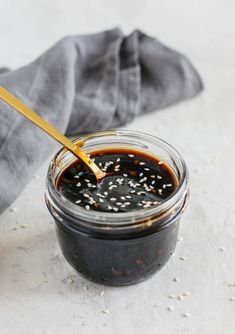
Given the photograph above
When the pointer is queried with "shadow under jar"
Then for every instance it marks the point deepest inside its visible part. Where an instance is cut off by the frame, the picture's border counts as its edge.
(118, 248)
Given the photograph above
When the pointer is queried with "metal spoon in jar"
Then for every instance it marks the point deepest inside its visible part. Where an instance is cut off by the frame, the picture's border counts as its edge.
(51, 131)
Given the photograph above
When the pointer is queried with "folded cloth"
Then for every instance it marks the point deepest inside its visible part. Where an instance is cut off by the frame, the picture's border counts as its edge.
(84, 84)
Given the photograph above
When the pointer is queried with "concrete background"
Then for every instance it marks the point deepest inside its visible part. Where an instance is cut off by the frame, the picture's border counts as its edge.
(39, 292)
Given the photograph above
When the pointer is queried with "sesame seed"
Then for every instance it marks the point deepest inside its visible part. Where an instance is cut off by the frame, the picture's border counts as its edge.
(132, 191)
(147, 188)
(105, 311)
(78, 201)
(169, 185)
(87, 207)
(110, 183)
(118, 203)
(123, 198)
(160, 162)
(86, 195)
(112, 186)
(141, 193)
(147, 169)
(105, 193)
(109, 207)
(142, 163)
(101, 200)
(100, 195)
(113, 199)
(159, 177)
(127, 203)
(131, 184)
(147, 205)
(183, 258)
(128, 196)
(141, 174)
(153, 182)
(186, 315)
(131, 155)
(172, 296)
(119, 181)
(118, 159)
(76, 176)
(143, 179)
(186, 294)
(164, 186)
(170, 308)
(89, 185)
(180, 297)
(115, 209)
(176, 279)
(92, 201)
(222, 249)
(13, 209)
(125, 175)
(231, 285)
(153, 176)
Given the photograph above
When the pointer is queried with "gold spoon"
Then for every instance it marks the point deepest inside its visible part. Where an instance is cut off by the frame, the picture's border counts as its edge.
(51, 131)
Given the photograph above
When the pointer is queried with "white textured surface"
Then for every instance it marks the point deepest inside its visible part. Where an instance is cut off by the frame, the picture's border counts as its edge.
(39, 292)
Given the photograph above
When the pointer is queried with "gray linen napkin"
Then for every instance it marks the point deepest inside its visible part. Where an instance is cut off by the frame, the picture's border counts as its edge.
(83, 84)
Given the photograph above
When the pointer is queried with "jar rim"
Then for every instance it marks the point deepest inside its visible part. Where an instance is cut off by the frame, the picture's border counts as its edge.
(118, 218)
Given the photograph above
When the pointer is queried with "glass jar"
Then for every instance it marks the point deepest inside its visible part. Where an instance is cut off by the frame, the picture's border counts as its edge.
(117, 248)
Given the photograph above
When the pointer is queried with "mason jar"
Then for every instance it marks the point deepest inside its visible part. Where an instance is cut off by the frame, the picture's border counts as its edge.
(116, 248)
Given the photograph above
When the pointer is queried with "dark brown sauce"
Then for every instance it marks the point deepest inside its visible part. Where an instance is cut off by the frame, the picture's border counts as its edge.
(135, 180)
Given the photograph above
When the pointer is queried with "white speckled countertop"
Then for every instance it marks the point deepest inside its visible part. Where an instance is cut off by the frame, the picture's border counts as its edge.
(39, 292)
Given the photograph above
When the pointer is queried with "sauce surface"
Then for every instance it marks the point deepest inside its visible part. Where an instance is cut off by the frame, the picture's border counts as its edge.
(134, 180)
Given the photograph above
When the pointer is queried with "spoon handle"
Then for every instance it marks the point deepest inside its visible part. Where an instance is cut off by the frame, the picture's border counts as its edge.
(50, 130)
(35, 118)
